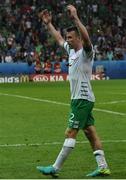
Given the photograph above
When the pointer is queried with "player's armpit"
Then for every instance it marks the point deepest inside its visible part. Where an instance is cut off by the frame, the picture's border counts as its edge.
(88, 48)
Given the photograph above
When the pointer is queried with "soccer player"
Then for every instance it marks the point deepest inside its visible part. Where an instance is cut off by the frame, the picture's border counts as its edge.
(80, 51)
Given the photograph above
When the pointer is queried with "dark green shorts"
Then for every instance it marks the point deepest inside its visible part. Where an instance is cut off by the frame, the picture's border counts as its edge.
(81, 114)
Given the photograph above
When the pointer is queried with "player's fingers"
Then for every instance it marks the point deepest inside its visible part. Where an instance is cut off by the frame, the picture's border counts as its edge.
(43, 13)
(69, 9)
(70, 6)
(50, 14)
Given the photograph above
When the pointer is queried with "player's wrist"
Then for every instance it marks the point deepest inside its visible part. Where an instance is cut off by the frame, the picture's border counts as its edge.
(47, 23)
(75, 18)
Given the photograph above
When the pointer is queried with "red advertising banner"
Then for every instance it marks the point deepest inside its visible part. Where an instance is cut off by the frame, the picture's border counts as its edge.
(45, 78)
(48, 77)
(60, 77)
(99, 76)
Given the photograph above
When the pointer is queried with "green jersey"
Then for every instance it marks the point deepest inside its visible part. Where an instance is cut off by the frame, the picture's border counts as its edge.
(80, 70)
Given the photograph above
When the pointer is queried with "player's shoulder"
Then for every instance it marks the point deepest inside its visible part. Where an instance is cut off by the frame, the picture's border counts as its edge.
(88, 51)
(68, 48)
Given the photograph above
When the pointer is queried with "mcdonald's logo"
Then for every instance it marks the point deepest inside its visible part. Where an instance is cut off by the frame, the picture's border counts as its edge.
(24, 78)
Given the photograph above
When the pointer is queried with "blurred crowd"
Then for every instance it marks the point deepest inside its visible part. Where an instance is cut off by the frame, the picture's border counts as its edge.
(24, 38)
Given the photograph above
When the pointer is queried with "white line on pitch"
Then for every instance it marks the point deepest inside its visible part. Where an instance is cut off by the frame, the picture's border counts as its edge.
(59, 103)
(110, 112)
(116, 93)
(113, 102)
(57, 143)
(35, 99)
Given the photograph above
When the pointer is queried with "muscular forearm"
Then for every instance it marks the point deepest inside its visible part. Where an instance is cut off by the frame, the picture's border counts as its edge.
(83, 31)
(56, 34)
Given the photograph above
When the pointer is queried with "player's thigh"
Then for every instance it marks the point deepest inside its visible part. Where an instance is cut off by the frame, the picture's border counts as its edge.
(80, 114)
(90, 121)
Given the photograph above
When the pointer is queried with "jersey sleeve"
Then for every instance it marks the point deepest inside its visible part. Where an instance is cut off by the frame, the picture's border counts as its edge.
(89, 53)
(66, 47)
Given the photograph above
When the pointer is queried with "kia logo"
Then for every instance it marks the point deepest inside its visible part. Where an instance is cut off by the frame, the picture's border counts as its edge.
(40, 78)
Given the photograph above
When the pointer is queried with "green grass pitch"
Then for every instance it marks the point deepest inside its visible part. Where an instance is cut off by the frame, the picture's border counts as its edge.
(32, 126)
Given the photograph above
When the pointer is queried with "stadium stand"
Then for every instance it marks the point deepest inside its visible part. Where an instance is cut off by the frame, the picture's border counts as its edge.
(22, 33)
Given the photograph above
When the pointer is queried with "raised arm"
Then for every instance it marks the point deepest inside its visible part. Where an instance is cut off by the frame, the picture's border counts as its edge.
(82, 29)
(47, 19)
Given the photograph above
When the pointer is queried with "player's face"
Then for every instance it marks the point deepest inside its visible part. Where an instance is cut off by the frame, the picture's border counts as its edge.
(72, 38)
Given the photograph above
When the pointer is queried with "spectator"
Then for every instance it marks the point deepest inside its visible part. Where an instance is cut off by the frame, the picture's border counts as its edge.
(47, 66)
(110, 55)
(8, 58)
(57, 66)
(38, 66)
(21, 28)
(118, 52)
